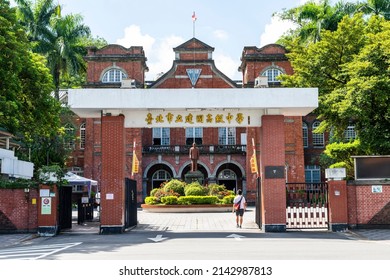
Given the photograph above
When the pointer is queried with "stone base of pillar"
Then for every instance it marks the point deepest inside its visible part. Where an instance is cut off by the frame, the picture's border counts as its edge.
(338, 227)
(274, 228)
(48, 231)
(111, 229)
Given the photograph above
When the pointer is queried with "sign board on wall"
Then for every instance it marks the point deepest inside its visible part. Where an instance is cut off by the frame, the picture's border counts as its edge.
(46, 206)
(372, 167)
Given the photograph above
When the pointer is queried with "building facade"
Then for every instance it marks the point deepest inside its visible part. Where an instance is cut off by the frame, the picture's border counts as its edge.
(163, 151)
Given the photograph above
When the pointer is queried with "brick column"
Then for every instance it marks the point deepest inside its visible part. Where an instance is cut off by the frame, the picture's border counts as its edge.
(338, 205)
(113, 175)
(272, 164)
(48, 211)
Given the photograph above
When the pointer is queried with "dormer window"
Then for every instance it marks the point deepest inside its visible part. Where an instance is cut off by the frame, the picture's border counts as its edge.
(272, 74)
(114, 76)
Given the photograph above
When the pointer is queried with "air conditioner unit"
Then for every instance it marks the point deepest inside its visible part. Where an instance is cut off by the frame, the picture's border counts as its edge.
(261, 82)
(128, 83)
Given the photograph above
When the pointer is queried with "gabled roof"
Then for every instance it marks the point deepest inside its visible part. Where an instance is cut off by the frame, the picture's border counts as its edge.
(193, 44)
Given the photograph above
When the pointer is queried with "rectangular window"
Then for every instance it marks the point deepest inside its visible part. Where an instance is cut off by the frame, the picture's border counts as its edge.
(194, 134)
(312, 174)
(161, 136)
(349, 133)
(227, 136)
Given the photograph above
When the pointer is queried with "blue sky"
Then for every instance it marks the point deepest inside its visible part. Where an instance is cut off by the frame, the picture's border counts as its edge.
(159, 26)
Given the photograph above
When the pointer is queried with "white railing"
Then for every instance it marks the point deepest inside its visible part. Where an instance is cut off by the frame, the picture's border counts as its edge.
(306, 217)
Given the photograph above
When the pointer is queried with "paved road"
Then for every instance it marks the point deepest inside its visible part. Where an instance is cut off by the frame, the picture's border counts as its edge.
(197, 236)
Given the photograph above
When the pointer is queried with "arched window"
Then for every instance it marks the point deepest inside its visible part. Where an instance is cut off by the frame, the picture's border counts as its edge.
(305, 135)
(82, 136)
(227, 174)
(159, 177)
(113, 75)
(272, 74)
(318, 138)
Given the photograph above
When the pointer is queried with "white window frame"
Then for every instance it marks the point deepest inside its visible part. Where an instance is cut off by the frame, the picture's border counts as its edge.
(193, 133)
(350, 133)
(312, 174)
(272, 74)
(82, 136)
(162, 133)
(305, 135)
(317, 138)
(227, 136)
(113, 75)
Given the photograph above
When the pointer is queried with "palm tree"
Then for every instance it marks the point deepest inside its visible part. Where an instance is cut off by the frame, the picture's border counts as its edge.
(36, 18)
(377, 7)
(313, 17)
(64, 48)
(56, 37)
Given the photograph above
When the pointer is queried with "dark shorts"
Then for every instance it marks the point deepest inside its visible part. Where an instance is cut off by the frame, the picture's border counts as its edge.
(240, 212)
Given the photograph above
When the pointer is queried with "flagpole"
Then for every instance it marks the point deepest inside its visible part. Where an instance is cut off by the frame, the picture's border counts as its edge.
(193, 24)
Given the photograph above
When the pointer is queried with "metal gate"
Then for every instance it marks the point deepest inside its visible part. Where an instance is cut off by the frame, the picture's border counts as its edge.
(258, 204)
(65, 207)
(130, 203)
(307, 206)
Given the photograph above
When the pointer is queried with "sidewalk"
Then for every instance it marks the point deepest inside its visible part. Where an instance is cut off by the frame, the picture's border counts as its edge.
(186, 222)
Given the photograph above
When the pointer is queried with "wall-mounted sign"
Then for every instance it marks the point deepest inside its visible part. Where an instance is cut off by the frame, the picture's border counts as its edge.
(274, 172)
(376, 188)
(46, 206)
(193, 118)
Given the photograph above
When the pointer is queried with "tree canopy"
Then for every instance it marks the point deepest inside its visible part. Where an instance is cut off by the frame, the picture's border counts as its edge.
(351, 68)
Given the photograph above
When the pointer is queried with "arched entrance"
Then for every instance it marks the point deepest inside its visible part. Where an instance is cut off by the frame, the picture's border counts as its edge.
(158, 174)
(230, 175)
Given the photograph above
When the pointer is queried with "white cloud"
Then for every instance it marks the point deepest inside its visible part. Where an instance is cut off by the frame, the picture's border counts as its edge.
(274, 30)
(228, 66)
(161, 56)
(159, 52)
(134, 37)
(221, 34)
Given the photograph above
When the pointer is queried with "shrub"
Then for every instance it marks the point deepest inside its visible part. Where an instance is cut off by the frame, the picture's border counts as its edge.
(194, 199)
(153, 191)
(228, 199)
(176, 186)
(195, 189)
(218, 190)
(151, 200)
(169, 200)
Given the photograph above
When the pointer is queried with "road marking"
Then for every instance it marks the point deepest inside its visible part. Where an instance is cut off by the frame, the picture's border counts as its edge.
(236, 236)
(158, 238)
(34, 252)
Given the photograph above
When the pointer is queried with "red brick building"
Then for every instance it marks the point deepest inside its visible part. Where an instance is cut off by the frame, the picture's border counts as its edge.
(204, 108)
(165, 150)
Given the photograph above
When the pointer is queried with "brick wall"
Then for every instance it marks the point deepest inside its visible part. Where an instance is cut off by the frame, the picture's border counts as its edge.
(18, 211)
(367, 208)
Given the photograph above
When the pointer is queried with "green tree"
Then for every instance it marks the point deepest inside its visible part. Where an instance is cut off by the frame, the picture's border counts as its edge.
(377, 7)
(350, 66)
(57, 37)
(36, 17)
(368, 90)
(313, 17)
(27, 108)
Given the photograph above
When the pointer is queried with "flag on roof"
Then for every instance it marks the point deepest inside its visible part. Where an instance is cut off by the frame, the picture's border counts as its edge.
(194, 17)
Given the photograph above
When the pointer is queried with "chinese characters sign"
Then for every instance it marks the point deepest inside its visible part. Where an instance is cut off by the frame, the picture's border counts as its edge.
(194, 118)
